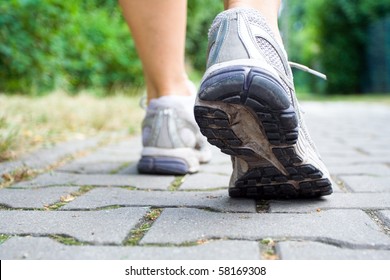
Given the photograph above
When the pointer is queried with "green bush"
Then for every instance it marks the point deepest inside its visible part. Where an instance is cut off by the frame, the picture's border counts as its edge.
(102, 55)
(344, 36)
(332, 36)
(73, 45)
(49, 44)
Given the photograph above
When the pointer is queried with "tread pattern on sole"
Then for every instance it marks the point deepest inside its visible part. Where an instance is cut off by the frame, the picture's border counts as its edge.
(285, 191)
(276, 116)
(302, 180)
(260, 92)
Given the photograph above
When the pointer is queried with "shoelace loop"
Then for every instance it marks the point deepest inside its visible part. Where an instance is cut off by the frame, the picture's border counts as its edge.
(307, 69)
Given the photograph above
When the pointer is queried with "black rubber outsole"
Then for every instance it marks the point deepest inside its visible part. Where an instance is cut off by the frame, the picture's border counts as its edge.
(241, 85)
(301, 180)
(276, 118)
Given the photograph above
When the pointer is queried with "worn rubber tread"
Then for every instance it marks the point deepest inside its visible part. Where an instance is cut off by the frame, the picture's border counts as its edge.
(276, 117)
(259, 92)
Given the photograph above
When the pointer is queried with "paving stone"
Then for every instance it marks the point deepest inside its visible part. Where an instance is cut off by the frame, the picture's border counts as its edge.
(368, 140)
(221, 168)
(130, 169)
(204, 181)
(91, 168)
(379, 158)
(139, 181)
(183, 225)
(217, 200)
(343, 160)
(378, 149)
(308, 250)
(336, 186)
(340, 151)
(47, 156)
(349, 119)
(363, 169)
(101, 156)
(217, 155)
(107, 159)
(108, 226)
(220, 163)
(367, 183)
(131, 146)
(33, 198)
(46, 249)
(335, 201)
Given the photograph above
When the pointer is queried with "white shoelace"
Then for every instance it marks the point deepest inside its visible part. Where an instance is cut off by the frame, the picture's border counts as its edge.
(307, 69)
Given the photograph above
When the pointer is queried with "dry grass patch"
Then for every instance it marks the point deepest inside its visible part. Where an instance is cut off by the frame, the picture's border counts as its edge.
(28, 123)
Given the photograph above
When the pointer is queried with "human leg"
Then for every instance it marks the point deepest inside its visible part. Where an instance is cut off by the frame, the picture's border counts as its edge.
(158, 29)
(172, 143)
(247, 107)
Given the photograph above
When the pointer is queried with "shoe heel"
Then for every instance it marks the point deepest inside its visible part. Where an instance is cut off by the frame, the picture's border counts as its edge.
(162, 165)
(256, 90)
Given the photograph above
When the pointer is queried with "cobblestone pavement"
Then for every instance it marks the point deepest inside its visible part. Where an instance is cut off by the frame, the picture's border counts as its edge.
(91, 203)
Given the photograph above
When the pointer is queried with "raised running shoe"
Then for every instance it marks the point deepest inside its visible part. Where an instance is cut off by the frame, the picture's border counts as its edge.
(246, 106)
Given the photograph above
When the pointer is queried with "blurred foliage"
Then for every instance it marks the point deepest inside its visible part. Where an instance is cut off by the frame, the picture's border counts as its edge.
(75, 45)
(331, 36)
(49, 44)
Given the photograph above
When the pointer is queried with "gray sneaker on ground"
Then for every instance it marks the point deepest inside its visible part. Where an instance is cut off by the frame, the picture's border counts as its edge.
(172, 142)
(246, 106)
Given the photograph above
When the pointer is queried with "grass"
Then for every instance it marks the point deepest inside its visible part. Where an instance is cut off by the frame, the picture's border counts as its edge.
(268, 249)
(20, 174)
(28, 123)
(153, 215)
(3, 238)
(175, 185)
(70, 241)
(137, 234)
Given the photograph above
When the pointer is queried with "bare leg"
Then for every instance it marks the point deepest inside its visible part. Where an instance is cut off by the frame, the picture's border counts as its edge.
(158, 29)
(268, 8)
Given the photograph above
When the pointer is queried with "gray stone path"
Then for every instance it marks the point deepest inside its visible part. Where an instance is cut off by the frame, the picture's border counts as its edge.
(96, 205)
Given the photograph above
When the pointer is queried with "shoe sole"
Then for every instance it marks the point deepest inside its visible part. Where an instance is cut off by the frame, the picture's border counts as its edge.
(233, 93)
(163, 166)
(241, 85)
(175, 161)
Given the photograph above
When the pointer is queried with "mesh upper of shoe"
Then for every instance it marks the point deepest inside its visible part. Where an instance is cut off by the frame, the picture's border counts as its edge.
(268, 50)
